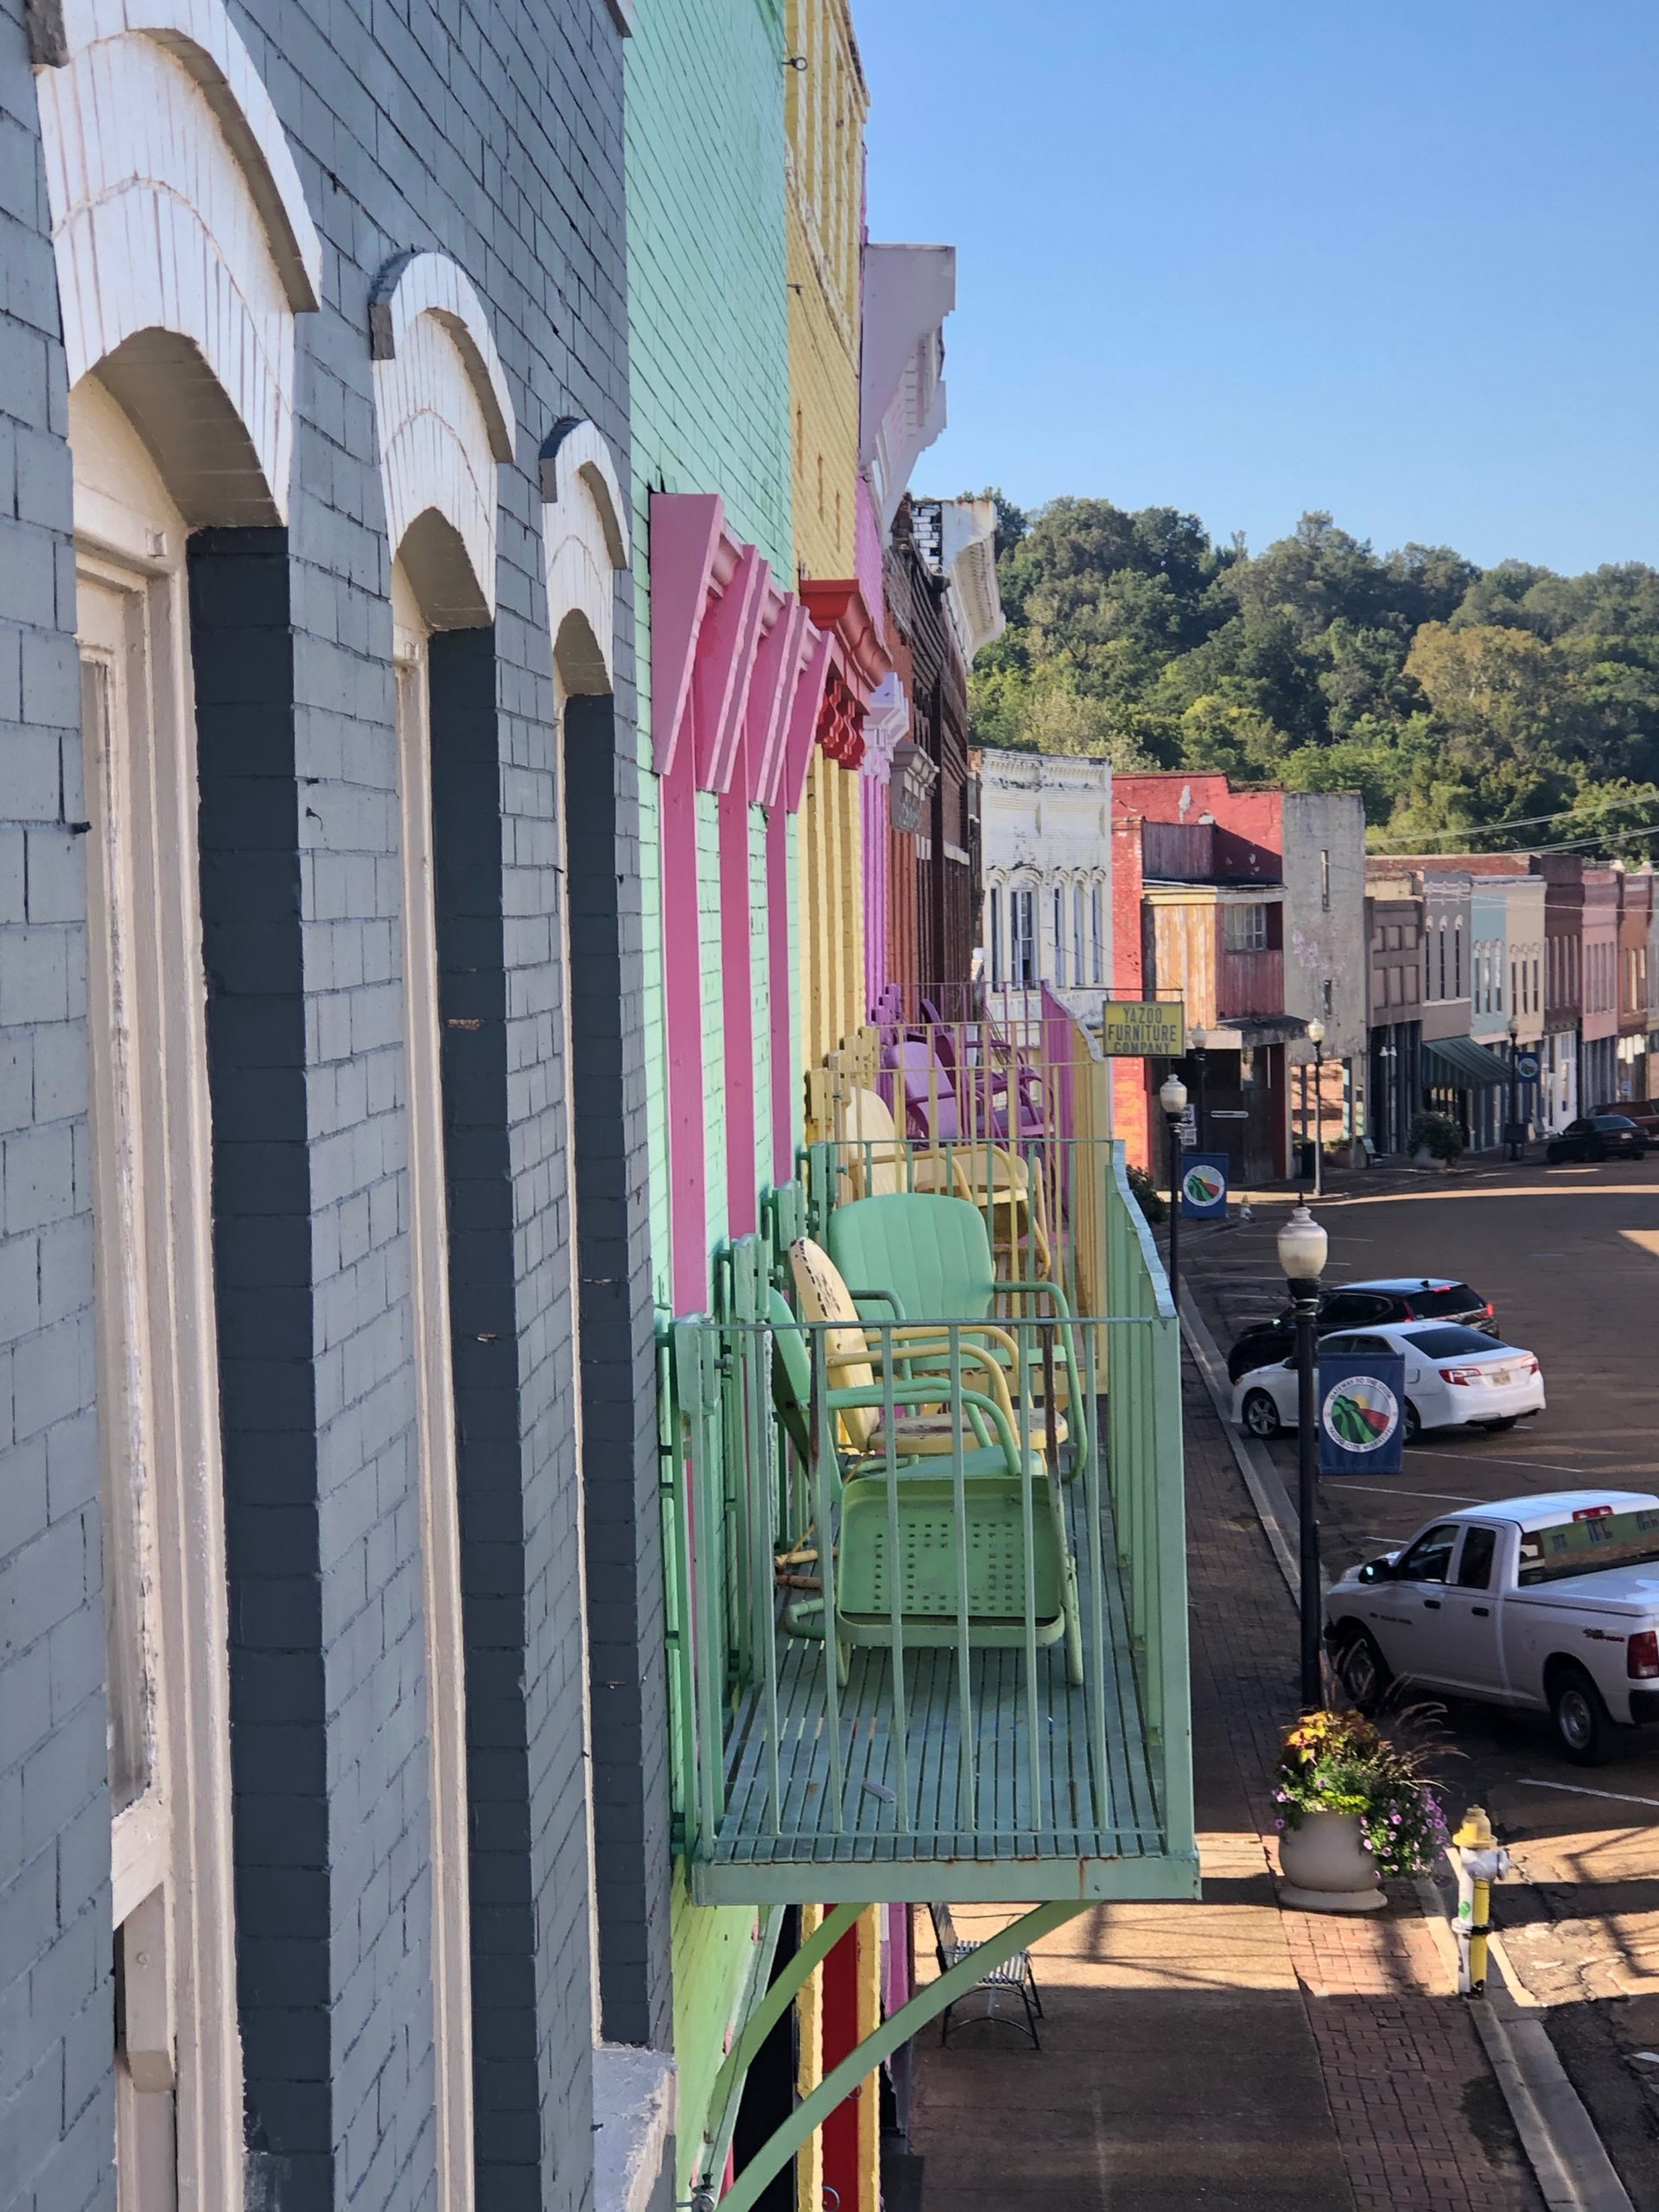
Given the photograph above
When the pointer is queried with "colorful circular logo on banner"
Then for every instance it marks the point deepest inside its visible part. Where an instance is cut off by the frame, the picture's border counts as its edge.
(1204, 1186)
(1361, 1414)
(1526, 1066)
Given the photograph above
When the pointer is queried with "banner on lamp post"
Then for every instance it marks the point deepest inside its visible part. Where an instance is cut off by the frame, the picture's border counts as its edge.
(1204, 1186)
(1361, 1413)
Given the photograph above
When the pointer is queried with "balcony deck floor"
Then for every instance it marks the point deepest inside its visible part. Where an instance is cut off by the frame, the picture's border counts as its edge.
(970, 1792)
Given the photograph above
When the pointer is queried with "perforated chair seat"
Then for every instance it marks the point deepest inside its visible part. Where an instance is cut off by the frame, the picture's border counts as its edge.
(932, 1599)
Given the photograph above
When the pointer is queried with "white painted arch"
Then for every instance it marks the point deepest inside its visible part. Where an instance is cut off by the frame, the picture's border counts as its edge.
(585, 541)
(183, 244)
(446, 421)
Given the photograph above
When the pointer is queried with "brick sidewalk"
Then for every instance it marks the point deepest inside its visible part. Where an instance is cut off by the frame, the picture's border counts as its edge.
(1227, 2055)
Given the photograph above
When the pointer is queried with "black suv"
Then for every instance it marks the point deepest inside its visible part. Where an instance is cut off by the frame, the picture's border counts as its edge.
(1364, 1306)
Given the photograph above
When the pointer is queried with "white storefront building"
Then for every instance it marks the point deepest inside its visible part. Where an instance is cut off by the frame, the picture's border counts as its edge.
(1046, 822)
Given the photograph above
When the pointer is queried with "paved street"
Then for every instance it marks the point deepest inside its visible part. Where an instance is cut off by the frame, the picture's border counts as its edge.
(1570, 1257)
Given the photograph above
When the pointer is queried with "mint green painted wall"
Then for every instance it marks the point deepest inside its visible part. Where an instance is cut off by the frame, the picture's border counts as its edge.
(709, 341)
(709, 380)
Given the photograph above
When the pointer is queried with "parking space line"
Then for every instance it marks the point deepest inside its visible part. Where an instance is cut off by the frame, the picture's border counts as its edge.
(1577, 1789)
(1492, 1459)
(1386, 1489)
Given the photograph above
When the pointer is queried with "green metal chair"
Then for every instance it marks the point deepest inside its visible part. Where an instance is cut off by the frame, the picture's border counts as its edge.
(914, 1538)
(917, 1254)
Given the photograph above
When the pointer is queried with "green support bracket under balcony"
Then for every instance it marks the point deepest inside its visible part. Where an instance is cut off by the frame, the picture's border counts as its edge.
(926, 2005)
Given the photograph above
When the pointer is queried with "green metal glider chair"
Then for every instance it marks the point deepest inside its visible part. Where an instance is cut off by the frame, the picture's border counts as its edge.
(922, 1549)
(911, 1254)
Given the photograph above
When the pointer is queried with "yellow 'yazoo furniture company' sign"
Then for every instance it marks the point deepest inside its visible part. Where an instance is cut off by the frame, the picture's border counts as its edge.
(1143, 1029)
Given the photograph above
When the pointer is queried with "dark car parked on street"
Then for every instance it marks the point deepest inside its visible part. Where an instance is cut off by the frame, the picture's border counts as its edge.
(1644, 1112)
(1598, 1136)
(1364, 1306)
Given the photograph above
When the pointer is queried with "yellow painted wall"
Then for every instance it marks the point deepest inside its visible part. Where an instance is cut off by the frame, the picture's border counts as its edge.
(808, 2070)
(809, 2067)
(827, 105)
(832, 909)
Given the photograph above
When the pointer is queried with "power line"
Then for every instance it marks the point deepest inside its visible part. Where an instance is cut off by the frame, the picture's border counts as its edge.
(1530, 821)
(1596, 837)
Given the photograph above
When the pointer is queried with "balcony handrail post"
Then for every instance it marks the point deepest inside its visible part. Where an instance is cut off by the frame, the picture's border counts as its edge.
(1106, 1810)
(968, 1763)
(826, 1462)
(1174, 1708)
(895, 1605)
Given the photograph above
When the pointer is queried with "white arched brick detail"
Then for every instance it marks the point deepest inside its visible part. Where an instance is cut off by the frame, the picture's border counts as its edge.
(176, 207)
(585, 540)
(445, 418)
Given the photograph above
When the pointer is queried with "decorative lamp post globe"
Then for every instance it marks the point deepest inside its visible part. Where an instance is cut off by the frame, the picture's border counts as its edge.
(1172, 1096)
(1303, 1250)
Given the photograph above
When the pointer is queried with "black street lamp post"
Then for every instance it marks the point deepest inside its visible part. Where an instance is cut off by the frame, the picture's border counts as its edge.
(1171, 1097)
(1199, 1039)
(1303, 1246)
(1316, 1039)
(1513, 1133)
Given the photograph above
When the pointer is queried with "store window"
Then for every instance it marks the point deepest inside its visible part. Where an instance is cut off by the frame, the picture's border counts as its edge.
(1244, 929)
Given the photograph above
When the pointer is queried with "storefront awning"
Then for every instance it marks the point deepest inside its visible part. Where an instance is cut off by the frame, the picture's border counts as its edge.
(1241, 1032)
(1461, 1065)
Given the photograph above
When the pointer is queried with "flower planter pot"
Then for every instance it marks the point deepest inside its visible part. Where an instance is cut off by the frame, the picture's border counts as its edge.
(1326, 1868)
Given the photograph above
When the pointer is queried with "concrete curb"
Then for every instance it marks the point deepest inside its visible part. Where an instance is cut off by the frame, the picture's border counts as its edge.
(1568, 2159)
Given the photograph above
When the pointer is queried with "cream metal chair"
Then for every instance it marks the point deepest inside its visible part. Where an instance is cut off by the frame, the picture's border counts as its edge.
(999, 1182)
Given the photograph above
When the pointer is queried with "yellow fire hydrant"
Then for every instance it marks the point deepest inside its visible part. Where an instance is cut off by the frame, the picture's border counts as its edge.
(1479, 1858)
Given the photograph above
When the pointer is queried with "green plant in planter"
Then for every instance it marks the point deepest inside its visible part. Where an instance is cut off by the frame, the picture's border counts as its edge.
(1436, 1134)
(1147, 1192)
(1342, 1762)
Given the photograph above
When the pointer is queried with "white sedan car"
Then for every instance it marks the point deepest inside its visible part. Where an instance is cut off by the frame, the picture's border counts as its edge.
(1455, 1378)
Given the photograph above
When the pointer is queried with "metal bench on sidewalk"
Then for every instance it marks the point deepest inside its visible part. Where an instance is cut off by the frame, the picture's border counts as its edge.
(1015, 1976)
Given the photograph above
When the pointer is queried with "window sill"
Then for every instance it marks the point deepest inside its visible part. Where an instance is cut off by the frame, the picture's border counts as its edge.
(633, 2120)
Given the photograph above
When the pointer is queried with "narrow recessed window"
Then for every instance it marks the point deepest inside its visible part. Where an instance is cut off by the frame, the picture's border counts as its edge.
(1022, 936)
(1325, 879)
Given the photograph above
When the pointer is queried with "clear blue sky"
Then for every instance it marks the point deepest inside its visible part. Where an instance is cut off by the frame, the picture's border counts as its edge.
(1394, 260)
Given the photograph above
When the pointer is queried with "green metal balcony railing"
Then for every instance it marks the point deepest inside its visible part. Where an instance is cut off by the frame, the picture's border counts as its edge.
(927, 1612)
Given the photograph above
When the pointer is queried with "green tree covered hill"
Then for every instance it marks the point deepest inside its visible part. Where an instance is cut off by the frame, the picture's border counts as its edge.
(1456, 699)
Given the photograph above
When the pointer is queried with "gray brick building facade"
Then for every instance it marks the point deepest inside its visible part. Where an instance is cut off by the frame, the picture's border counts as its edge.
(491, 137)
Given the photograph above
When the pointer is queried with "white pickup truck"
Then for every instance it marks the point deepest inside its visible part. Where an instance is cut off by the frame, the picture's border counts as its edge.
(1550, 1602)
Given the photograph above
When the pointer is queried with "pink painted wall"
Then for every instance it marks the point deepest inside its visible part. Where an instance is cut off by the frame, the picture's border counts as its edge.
(780, 968)
(743, 1168)
(682, 993)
